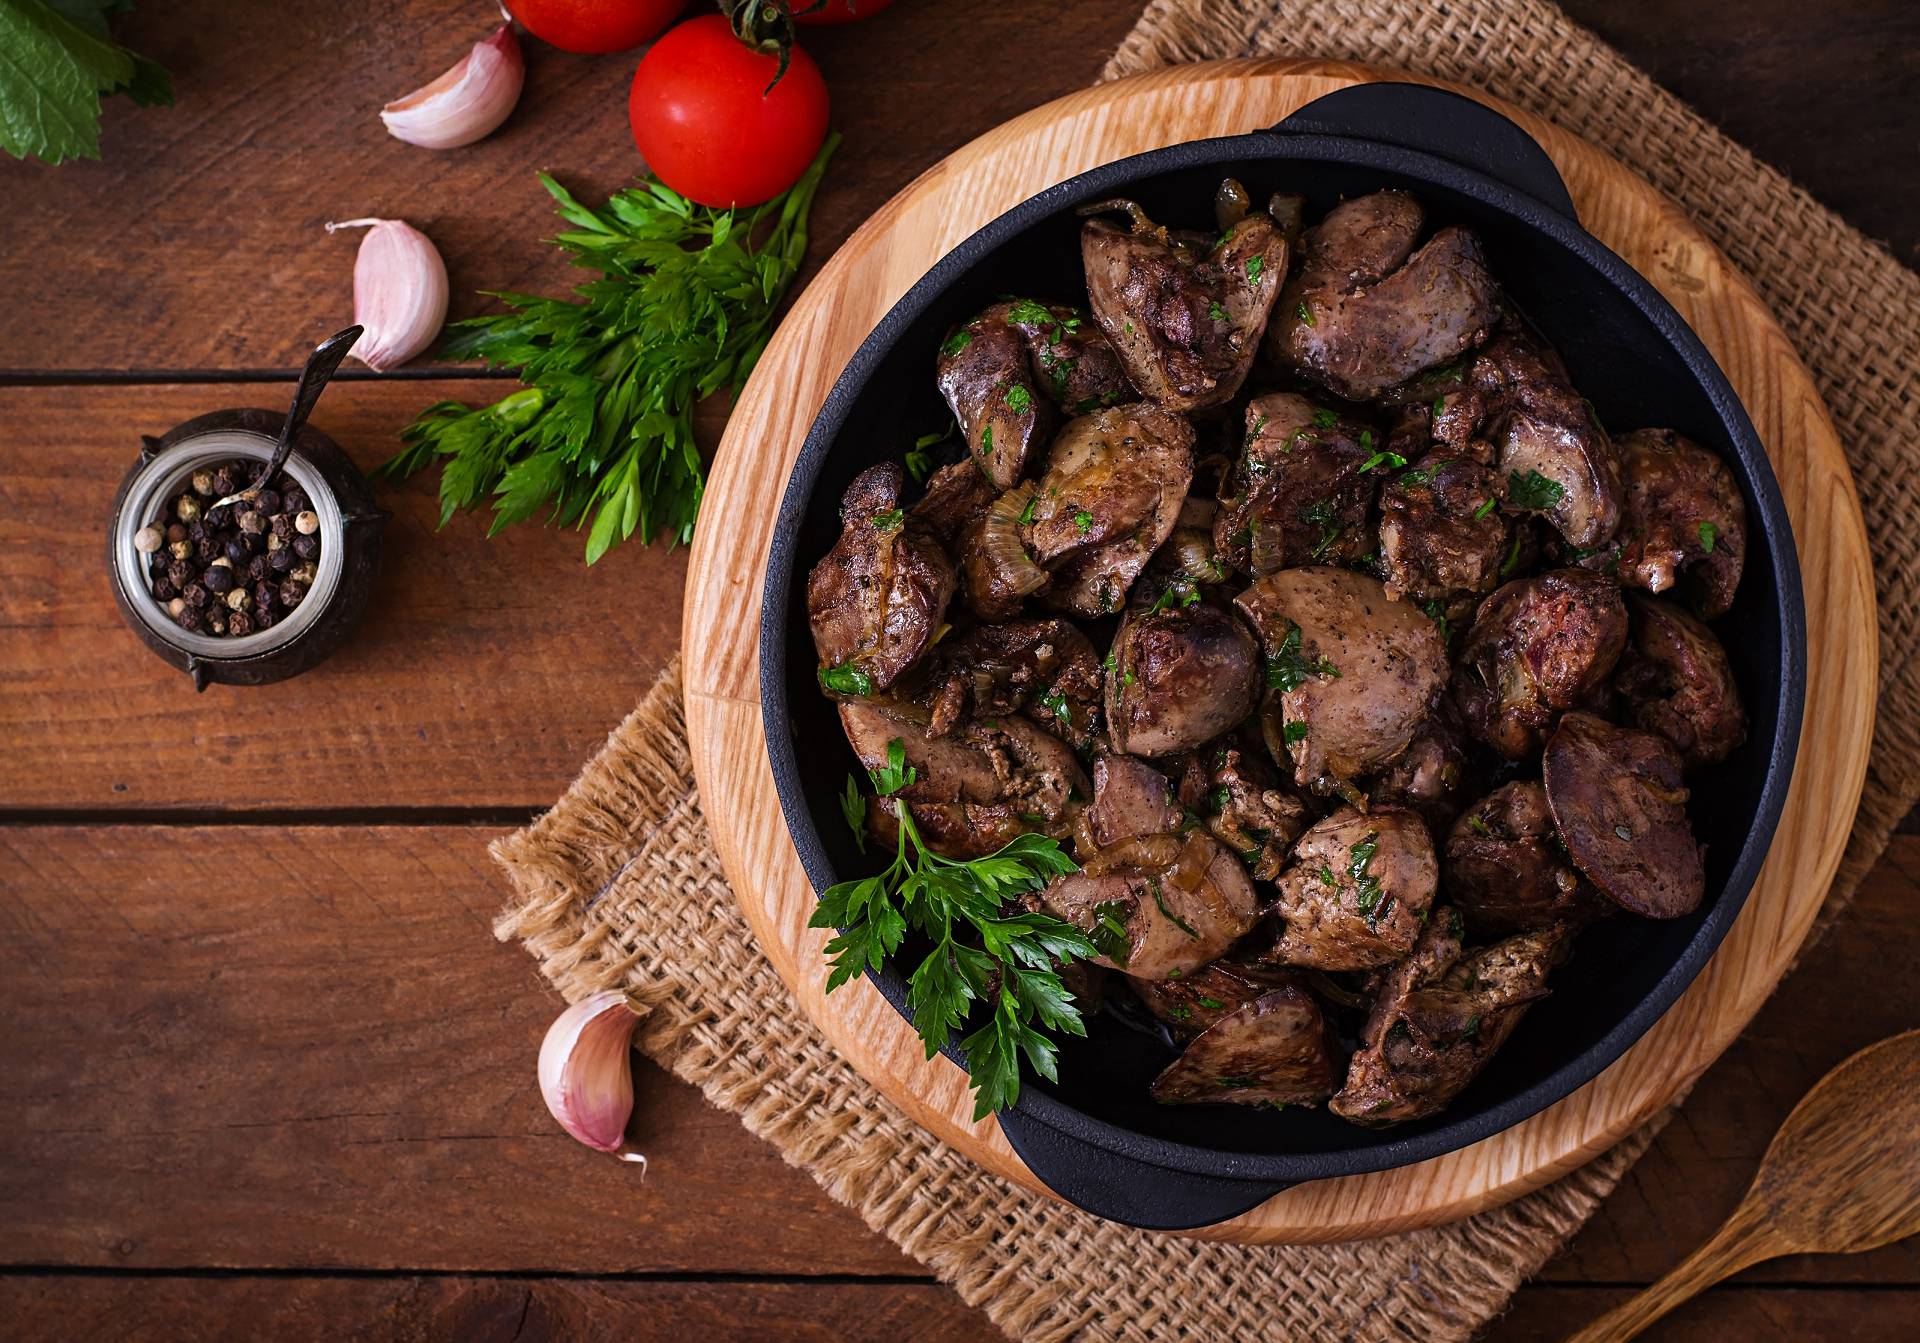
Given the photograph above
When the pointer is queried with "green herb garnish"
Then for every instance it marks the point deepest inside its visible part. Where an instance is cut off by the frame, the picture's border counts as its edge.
(1254, 265)
(1211, 1004)
(1439, 617)
(1393, 461)
(1011, 972)
(60, 61)
(1026, 312)
(1533, 491)
(1288, 670)
(1216, 312)
(846, 679)
(1303, 313)
(957, 342)
(1708, 533)
(1325, 419)
(682, 309)
(1083, 521)
(1294, 732)
(1486, 506)
(889, 521)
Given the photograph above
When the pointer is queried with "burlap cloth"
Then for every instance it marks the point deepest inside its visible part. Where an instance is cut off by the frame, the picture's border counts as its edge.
(619, 885)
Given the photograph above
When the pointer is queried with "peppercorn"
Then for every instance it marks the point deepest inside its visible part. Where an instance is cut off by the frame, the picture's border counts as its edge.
(256, 542)
(306, 522)
(219, 517)
(306, 547)
(274, 543)
(187, 508)
(205, 550)
(280, 561)
(264, 596)
(251, 522)
(264, 618)
(236, 552)
(281, 526)
(180, 572)
(189, 618)
(162, 588)
(238, 600)
(176, 532)
(147, 540)
(256, 568)
(216, 621)
(203, 482)
(176, 606)
(291, 592)
(294, 499)
(225, 480)
(239, 625)
(197, 531)
(305, 573)
(180, 550)
(217, 580)
(195, 594)
(267, 501)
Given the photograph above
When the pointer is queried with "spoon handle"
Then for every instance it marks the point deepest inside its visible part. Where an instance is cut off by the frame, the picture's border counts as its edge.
(326, 357)
(1742, 1241)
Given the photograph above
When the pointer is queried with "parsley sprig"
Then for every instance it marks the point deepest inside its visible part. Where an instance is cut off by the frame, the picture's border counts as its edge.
(604, 426)
(955, 905)
(57, 61)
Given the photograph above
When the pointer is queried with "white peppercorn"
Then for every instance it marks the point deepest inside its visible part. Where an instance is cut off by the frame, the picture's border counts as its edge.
(187, 509)
(306, 523)
(147, 540)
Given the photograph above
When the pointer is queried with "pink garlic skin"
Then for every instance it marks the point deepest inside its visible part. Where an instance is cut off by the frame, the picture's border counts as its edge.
(399, 292)
(468, 102)
(586, 1070)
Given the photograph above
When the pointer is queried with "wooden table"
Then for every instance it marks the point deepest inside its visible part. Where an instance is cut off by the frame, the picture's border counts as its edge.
(265, 1070)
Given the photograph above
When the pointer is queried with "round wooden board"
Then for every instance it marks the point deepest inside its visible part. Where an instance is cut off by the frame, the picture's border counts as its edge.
(1098, 125)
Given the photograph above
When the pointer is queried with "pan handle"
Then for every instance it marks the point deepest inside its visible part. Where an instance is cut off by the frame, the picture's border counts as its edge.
(1445, 124)
(1122, 1189)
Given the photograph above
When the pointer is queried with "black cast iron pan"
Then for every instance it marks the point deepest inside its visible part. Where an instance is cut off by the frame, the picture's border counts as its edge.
(1096, 1138)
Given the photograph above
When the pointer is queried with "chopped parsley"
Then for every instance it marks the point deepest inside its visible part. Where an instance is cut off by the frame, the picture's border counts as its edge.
(1486, 507)
(1320, 514)
(1478, 826)
(1533, 491)
(1216, 312)
(986, 441)
(1109, 931)
(1019, 399)
(1254, 266)
(1259, 423)
(1512, 561)
(846, 679)
(957, 342)
(1287, 669)
(1366, 885)
(1393, 461)
(1056, 704)
(1211, 1004)
(1026, 312)
(1294, 732)
(919, 461)
(1325, 419)
(889, 521)
(1178, 922)
(1439, 617)
(1026, 514)
(1178, 594)
(1303, 313)
(1083, 520)
(1708, 533)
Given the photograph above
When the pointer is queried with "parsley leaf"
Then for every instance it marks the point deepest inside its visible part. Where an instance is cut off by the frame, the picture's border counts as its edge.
(1216, 313)
(60, 61)
(603, 429)
(846, 679)
(1393, 461)
(1011, 970)
(1325, 419)
(1019, 399)
(1486, 507)
(1294, 732)
(890, 521)
(1708, 533)
(1288, 670)
(919, 461)
(1303, 312)
(1254, 266)
(1533, 491)
(853, 806)
(1026, 312)
(957, 342)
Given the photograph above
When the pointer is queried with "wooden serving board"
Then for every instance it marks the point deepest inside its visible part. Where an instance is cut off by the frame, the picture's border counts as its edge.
(1098, 125)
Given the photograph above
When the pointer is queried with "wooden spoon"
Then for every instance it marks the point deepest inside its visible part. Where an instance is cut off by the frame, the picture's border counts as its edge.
(1842, 1175)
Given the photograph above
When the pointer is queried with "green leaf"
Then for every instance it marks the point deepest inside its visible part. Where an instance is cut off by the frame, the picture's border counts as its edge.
(1533, 491)
(1287, 669)
(57, 61)
(853, 806)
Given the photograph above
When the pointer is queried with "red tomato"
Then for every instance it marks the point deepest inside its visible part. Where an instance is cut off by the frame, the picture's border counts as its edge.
(593, 26)
(705, 125)
(839, 11)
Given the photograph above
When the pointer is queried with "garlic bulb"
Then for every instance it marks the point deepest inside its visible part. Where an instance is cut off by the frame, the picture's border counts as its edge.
(467, 102)
(586, 1070)
(399, 292)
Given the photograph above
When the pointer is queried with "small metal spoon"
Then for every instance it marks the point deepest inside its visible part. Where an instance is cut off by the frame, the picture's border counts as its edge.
(320, 367)
(1842, 1175)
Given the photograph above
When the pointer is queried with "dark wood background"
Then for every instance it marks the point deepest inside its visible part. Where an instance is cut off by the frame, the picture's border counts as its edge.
(264, 1069)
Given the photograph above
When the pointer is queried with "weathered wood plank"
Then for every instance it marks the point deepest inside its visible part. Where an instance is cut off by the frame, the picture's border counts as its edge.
(220, 202)
(301, 1047)
(484, 672)
(258, 1047)
(1735, 1314)
(482, 1310)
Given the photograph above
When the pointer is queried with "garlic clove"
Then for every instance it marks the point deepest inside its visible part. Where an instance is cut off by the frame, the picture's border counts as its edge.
(399, 291)
(466, 103)
(586, 1070)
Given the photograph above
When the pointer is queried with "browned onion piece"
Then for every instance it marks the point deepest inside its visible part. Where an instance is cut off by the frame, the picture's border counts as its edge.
(1620, 807)
(1144, 853)
(1230, 203)
(1268, 552)
(1003, 550)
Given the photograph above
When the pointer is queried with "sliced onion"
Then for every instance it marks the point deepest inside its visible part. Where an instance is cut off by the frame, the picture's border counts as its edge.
(1145, 853)
(1006, 557)
(1230, 203)
(1269, 551)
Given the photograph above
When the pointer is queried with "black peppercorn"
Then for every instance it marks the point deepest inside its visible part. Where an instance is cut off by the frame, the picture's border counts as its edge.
(195, 594)
(265, 596)
(180, 572)
(263, 617)
(294, 499)
(207, 549)
(218, 580)
(251, 522)
(280, 561)
(176, 531)
(189, 618)
(267, 501)
(306, 547)
(236, 553)
(162, 589)
(239, 623)
(281, 525)
(225, 481)
(216, 621)
(220, 518)
(257, 568)
(291, 592)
